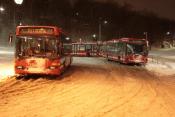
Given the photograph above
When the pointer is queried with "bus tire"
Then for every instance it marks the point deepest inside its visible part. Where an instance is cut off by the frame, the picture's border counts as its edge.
(107, 57)
(119, 60)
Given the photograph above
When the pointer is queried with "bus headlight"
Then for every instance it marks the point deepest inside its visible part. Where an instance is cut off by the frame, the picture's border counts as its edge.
(52, 67)
(19, 67)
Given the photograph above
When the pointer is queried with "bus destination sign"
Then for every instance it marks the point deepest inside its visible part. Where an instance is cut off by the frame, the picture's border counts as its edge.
(24, 31)
(137, 41)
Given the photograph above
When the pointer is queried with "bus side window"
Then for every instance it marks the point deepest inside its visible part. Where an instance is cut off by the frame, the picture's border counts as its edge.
(129, 49)
(109, 48)
(116, 48)
(59, 49)
(119, 47)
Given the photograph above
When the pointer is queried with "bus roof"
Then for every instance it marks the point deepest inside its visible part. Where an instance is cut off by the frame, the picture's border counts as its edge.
(125, 40)
(38, 30)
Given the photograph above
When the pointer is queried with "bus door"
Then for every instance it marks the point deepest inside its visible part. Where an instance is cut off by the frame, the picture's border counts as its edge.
(110, 50)
(115, 51)
(89, 49)
(94, 49)
(73, 49)
(76, 49)
(102, 50)
(121, 51)
(82, 50)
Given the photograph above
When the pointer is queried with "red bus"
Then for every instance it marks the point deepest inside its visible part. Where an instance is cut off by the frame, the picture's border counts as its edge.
(85, 49)
(39, 50)
(128, 50)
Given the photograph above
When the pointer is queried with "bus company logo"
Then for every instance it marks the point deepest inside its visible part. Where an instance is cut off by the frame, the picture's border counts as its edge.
(32, 63)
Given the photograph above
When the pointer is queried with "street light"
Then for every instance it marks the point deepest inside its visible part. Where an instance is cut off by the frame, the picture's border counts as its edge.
(2, 9)
(105, 22)
(94, 35)
(19, 2)
(168, 33)
(77, 14)
(67, 38)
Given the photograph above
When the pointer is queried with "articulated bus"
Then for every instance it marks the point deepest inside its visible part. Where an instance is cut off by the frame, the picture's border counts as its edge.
(39, 50)
(84, 49)
(128, 50)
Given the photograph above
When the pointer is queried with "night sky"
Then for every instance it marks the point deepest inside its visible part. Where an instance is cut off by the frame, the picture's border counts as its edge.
(163, 8)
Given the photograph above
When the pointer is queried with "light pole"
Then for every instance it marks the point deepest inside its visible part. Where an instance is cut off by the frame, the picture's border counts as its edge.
(169, 38)
(100, 27)
(18, 2)
(146, 35)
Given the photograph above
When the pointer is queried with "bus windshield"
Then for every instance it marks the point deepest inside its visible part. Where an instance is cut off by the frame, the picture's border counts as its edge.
(36, 46)
(82, 48)
(136, 48)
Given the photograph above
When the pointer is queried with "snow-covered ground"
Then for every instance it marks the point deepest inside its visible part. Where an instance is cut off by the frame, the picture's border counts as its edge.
(91, 87)
(162, 61)
(161, 68)
(6, 62)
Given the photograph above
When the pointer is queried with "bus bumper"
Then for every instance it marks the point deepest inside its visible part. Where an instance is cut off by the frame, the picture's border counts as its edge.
(52, 71)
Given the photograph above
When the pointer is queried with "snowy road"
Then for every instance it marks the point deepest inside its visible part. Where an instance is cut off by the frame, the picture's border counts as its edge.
(92, 87)
(6, 62)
